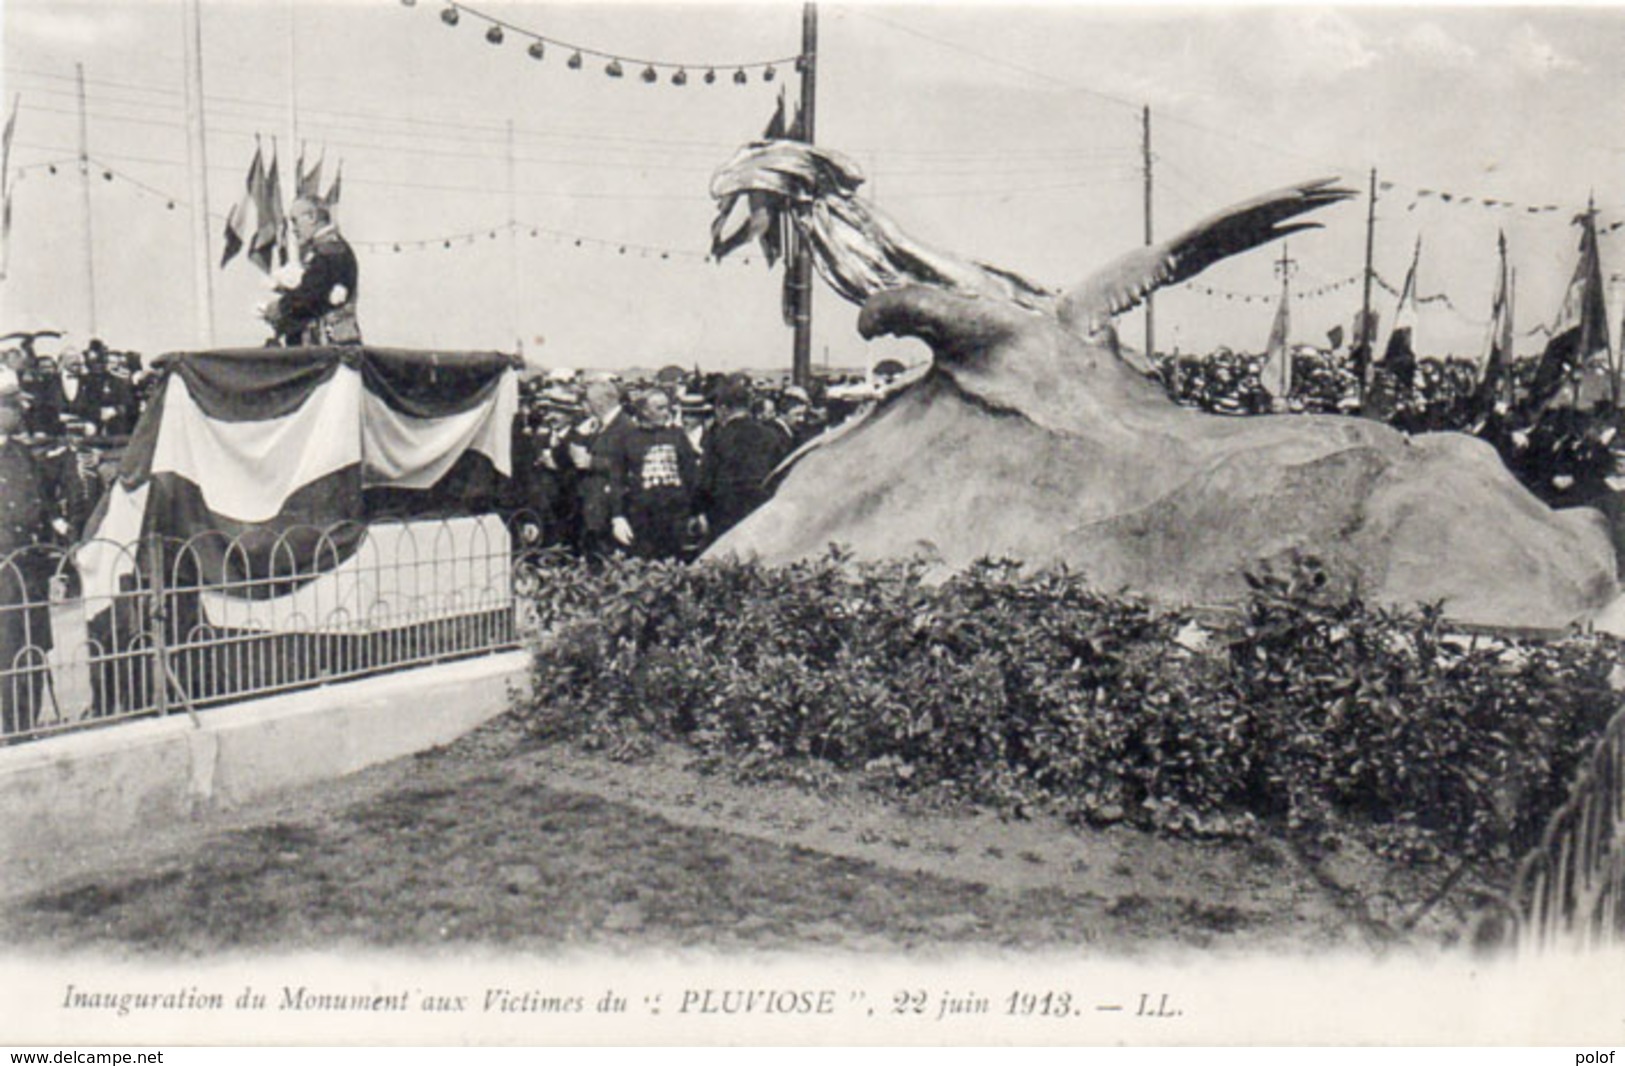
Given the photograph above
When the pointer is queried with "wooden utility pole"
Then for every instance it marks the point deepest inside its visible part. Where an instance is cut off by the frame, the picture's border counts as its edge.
(801, 266)
(84, 188)
(1364, 341)
(1150, 309)
(293, 90)
(198, 176)
(513, 249)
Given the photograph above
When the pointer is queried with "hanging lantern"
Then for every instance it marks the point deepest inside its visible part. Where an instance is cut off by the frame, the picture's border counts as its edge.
(649, 76)
(535, 50)
(575, 62)
(578, 242)
(801, 64)
(446, 245)
(739, 77)
(450, 16)
(494, 34)
(769, 74)
(493, 235)
(52, 168)
(614, 68)
(680, 78)
(533, 233)
(710, 77)
(397, 249)
(107, 175)
(170, 206)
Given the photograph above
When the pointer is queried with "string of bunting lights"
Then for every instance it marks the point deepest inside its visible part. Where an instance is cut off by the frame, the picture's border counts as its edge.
(1437, 298)
(453, 241)
(1454, 199)
(616, 65)
(1329, 289)
(109, 173)
(1311, 292)
(441, 243)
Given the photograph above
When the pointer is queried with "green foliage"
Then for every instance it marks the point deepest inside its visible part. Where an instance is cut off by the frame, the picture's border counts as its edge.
(1028, 691)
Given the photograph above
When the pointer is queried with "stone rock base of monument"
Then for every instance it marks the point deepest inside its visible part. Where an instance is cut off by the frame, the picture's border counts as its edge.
(1072, 462)
(1611, 619)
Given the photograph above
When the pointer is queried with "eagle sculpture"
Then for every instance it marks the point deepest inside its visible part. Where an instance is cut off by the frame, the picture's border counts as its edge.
(1033, 437)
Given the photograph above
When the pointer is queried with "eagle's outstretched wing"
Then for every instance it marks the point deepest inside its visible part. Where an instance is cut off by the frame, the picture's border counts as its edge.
(1127, 280)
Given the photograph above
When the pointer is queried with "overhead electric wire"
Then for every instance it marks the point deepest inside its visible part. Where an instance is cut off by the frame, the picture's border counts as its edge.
(319, 129)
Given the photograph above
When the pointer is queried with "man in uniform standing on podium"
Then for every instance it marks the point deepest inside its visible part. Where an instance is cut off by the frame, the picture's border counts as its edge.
(320, 309)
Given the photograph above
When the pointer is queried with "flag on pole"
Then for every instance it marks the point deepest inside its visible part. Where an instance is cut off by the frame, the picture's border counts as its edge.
(1399, 357)
(1581, 328)
(5, 187)
(776, 128)
(332, 197)
(308, 184)
(269, 239)
(765, 223)
(237, 233)
(1276, 373)
(1495, 380)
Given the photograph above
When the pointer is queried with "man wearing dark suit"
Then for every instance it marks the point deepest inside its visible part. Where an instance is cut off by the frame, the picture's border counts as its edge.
(25, 620)
(321, 308)
(104, 400)
(739, 454)
(601, 462)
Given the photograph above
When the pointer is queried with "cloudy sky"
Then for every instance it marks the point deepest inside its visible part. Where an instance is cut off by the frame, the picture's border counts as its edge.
(1008, 133)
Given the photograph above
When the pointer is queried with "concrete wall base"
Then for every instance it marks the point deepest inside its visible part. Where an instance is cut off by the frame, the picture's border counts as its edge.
(67, 791)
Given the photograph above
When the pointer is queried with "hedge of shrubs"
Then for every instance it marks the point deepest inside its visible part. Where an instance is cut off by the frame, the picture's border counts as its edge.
(1306, 710)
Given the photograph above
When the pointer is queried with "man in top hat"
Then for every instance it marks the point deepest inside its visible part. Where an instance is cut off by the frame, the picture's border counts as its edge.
(103, 400)
(320, 309)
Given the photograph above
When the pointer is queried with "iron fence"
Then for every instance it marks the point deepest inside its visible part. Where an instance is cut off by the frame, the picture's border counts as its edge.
(97, 632)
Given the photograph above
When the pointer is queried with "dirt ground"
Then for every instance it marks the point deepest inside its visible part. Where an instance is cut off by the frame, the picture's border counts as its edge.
(499, 841)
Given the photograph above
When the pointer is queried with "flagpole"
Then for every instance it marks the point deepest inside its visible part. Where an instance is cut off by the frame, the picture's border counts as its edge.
(84, 188)
(5, 188)
(1511, 345)
(1150, 305)
(801, 357)
(1588, 233)
(1364, 342)
(1284, 266)
(1618, 365)
(293, 89)
(198, 174)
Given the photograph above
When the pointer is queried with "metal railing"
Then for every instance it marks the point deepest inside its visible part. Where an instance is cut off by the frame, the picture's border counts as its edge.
(99, 632)
(1566, 894)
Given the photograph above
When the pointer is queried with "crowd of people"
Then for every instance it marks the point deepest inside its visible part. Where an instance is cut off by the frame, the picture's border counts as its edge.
(75, 411)
(1434, 394)
(662, 465)
(657, 469)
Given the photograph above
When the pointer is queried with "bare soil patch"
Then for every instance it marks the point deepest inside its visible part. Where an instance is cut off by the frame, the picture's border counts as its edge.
(502, 842)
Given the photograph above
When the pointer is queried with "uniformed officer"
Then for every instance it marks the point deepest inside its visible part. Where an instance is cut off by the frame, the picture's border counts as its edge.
(25, 572)
(320, 309)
